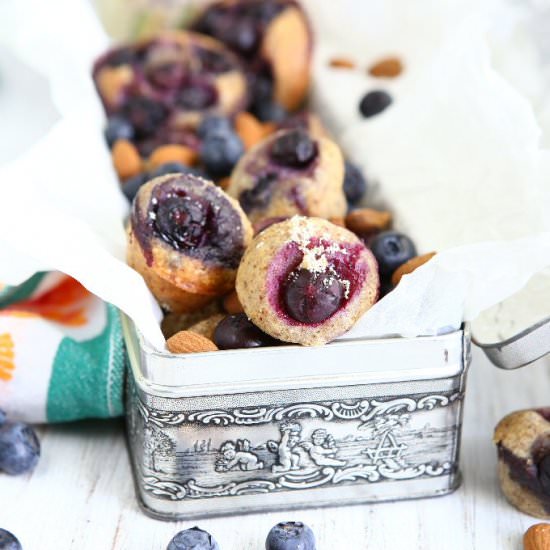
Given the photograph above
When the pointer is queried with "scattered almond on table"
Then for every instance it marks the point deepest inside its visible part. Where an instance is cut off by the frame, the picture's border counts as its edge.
(186, 341)
(387, 68)
(342, 63)
(537, 537)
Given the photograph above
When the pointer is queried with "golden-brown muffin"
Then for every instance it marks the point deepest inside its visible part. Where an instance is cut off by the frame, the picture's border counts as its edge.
(306, 280)
(274, 39)
(523, 444)
(186, 237)
(291, 172)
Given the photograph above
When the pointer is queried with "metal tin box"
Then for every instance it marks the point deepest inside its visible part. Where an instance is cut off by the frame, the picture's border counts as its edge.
(243, 431)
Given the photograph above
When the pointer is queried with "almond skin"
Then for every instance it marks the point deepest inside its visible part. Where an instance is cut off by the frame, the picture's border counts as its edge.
(224, 183)
(186, 341)
(126, 159)
(368, 220)
(410, 266)
(232, 304)
(387, 68)
(172, 153)
(250, 129)
(537, 537)
(342, 63)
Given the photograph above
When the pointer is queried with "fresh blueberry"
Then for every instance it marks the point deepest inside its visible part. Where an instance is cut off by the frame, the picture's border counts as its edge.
(391, 249)
(312, 297)
(220, 152)
(8, 541)
(118, 128)
(131, 186)
(268, 111)
(374, 102)
(355, 185)
(19, 448)
(294, 149)
(2, 417)
(176, 167)
(193, 539)
(237, 331)
(544, 474)
(214, 125)
(290, 535)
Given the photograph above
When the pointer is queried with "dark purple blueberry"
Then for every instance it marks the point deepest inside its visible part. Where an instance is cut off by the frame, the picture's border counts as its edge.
(269, 111)
(290, 535)
(197, 96)
(176, 168)
(19, 448)
(144, 114)
(214, 124)
(544, 474)
(391, 249)
(8, 541)
(355, 185)
(312, 297)
(258, 197)
(374, 103)
(294, 149)
(237, 331)
(131, 186)
(220, 152)
(2, 417)
(118, 128)
(182, 220)
(193, 539)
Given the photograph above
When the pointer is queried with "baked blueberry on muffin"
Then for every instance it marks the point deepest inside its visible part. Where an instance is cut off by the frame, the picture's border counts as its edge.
(290, 173)
(160, 89)
(523, 444)
(274, 40)
(186, 238)
(306, 280)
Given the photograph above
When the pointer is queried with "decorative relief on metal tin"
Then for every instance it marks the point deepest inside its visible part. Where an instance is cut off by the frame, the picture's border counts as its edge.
(203, 454)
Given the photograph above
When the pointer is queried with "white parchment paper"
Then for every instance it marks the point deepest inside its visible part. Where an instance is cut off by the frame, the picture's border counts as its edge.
(457, 157)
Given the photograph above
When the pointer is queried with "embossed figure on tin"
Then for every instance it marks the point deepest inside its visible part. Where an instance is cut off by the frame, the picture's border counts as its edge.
(288, 455)
(322, 449)
(238, 454)
(388, 451)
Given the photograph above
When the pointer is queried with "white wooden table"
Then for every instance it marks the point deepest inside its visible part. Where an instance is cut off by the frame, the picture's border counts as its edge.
(81, 495)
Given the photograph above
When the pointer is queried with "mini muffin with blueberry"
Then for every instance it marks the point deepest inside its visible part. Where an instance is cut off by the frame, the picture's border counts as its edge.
(186, 238)
(273, 38)
(523, 444)
(290, 173)
(306, 280)
(163, 86)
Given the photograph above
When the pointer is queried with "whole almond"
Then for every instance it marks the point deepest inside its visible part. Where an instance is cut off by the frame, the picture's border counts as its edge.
(112, 80)
(172, 153)
(186, 341)
(126, 159)
(368, 220)
(342, 63)
(410, 266)
(224, 183)
(250, 129)
(387, 68)
(232, 304)
(537, 537)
